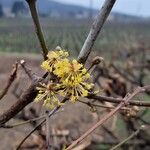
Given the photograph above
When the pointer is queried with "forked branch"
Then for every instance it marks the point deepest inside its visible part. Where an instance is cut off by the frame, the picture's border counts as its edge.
(106, 117)
(9, 81)
(27, 97)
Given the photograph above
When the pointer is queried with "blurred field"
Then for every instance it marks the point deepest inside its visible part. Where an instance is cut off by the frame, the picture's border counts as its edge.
(17, 35)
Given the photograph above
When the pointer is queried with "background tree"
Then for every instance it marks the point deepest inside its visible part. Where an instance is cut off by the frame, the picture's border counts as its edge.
(19, 8)
(1, 11)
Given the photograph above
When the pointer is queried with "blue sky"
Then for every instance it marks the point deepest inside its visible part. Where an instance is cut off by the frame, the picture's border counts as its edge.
(133, 7)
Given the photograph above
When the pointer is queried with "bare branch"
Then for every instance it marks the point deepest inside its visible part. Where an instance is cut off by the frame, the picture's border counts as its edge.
(34, 14)
(106, 117)
(127, 139)
(95, 30)
(32, 76)
(27, 97)
(47, 131)
(129, 143)
(41, 123)
(26, 70)
(101, 105)
(9, 81)
(118, 100)
(24, 122)
(124, 75)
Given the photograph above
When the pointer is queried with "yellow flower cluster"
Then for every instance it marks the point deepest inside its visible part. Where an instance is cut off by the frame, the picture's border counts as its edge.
(53, 58)
(71, 79)
(48, 94)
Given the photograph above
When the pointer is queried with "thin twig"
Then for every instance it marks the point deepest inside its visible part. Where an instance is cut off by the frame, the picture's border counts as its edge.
(106, 117)
(9, 81)
(41, 123)
(141, 73)
(118, 100)
(47, 131)
(95, 30)
(124, 75)
(24, 122)
(32, 76)
(26, 70)
(108, 131)
(127, 139)
(34, 14)
(101, 105)
(27, 97)
(129, 143)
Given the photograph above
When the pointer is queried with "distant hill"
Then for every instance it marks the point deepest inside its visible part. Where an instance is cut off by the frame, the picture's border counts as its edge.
(6, 3)
(49, 6)
(57, 9)
(53, 8)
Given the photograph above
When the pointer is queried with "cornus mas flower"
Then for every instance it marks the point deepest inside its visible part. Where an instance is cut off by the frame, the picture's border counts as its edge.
(53, 57)
(61, 68)
(48, 94)
(73, 79)
(65, 68)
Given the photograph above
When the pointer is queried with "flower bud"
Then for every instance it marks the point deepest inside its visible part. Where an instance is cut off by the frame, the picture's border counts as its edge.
(97, 60)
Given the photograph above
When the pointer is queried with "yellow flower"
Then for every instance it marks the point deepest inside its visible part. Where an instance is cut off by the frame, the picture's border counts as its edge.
(48, 94)
(53, 57)
(46, 65)
(61, 68)
(57, 54)
(76, 90)
(65, 68)
(73, 79)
